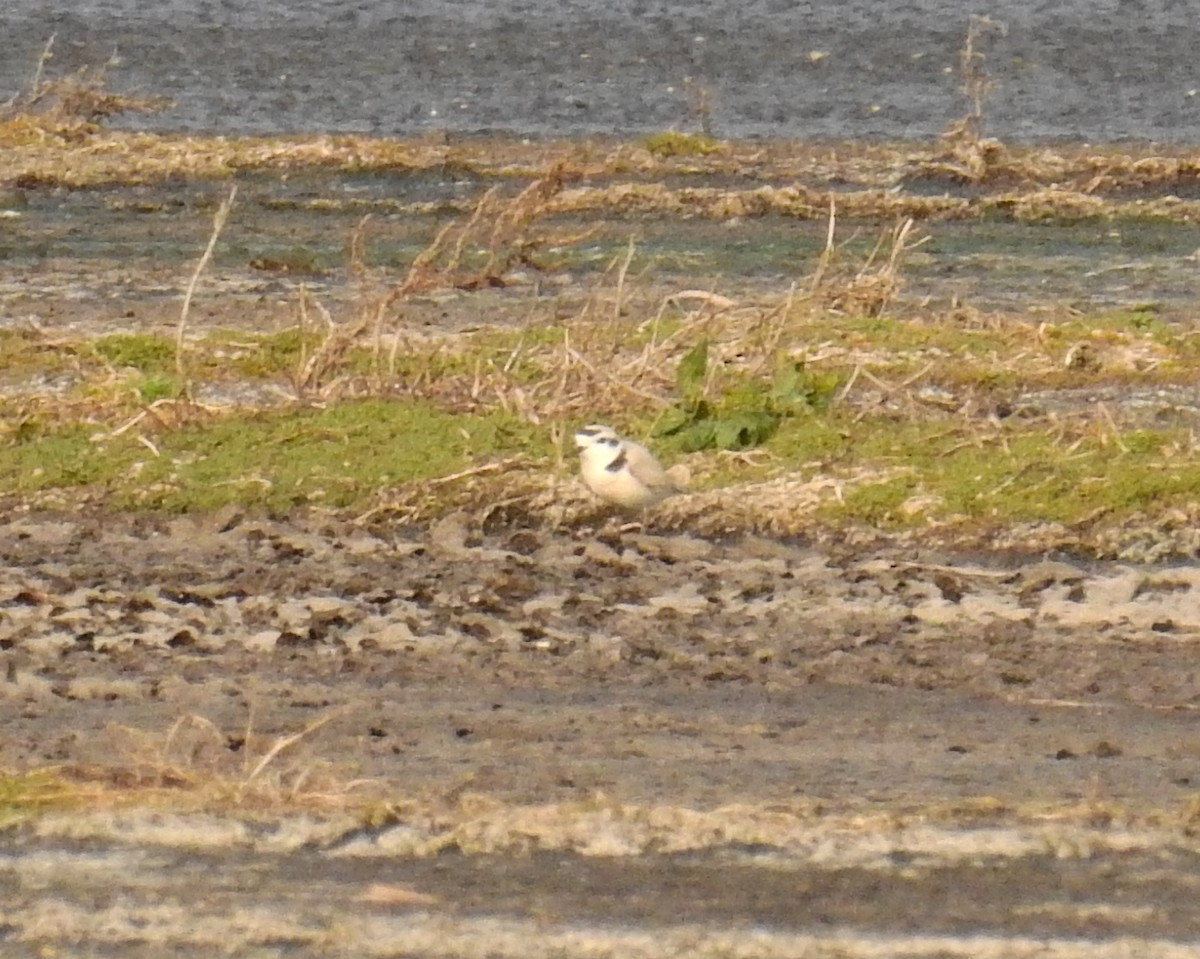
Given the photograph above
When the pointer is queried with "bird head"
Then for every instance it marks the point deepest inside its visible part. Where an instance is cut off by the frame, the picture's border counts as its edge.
(595, 435)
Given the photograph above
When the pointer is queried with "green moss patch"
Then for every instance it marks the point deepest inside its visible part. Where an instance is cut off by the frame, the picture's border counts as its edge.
(339, 456)
(144, 352)
(928, 473)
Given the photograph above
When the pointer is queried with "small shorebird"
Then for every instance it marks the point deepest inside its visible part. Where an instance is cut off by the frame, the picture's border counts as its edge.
(619, 470)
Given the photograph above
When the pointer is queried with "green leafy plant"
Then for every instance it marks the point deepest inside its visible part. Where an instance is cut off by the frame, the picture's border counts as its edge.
(749, 410)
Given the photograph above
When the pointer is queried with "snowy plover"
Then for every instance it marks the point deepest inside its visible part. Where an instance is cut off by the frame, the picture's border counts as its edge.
(619, 470)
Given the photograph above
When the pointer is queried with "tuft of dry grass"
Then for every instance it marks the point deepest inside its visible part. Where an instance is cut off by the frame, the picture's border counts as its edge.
(197, 761)
(480, 252)
(75, 104)
(194, 764)
(867, 288)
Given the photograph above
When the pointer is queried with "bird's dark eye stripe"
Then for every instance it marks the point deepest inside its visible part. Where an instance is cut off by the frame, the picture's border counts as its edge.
(618, 464)
(611, 441)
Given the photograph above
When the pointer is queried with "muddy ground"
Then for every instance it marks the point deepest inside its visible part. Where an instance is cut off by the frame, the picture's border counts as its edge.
(602, 742)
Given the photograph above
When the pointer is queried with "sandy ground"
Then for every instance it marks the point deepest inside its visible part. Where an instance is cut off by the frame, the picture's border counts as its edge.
(591, 742)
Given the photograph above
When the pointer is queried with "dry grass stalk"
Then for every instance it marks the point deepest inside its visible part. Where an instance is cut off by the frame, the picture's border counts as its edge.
(277, 747)
(317, 373)
(828, 251)
(219, 219)
(700, 103)
(36, 81)
(167, 772)
(511, 241)
(768, 333)
(500, 232)
(622, 273)
(976, 83)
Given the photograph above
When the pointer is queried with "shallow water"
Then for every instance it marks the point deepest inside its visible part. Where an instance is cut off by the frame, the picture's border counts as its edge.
(1079, 70)
(78, 244)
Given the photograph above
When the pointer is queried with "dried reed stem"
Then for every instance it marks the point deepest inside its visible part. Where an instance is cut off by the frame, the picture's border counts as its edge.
(280, 745)
(218, 224)
(827, 253)
(622, 270)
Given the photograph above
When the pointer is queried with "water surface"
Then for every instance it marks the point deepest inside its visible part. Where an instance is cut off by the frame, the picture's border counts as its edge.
(1075, 70)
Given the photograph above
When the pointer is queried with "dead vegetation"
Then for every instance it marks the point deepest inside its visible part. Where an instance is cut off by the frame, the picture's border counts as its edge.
(70, 105)
(501, 235)
(195, 761)
(968, 154)
(863, 288)
(785, 179)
